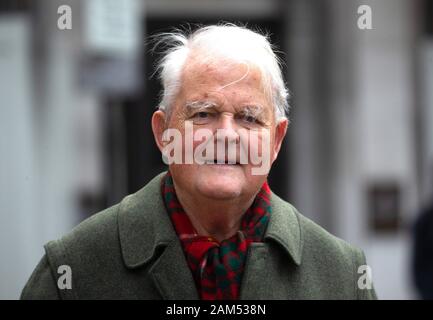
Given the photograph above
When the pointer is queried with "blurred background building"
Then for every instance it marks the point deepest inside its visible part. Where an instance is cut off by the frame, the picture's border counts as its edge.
(75, 108)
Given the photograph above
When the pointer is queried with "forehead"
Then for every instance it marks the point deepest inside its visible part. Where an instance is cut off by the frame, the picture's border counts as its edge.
(221, 75)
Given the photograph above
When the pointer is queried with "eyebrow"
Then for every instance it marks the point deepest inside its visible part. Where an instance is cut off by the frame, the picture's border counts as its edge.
(248, 110)
(199, 105)
(255, 111)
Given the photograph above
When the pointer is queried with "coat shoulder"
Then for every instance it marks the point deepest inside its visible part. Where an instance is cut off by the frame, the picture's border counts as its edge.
(97, 233)
(317, 239)
(93, 230)
(306, 236)
(342, 263)
(97, 250)
(91, 237)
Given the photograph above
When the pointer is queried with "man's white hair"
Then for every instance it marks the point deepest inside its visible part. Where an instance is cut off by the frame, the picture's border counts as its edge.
(226, 41)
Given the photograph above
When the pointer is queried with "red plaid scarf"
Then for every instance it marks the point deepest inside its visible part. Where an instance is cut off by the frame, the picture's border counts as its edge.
(217, 268)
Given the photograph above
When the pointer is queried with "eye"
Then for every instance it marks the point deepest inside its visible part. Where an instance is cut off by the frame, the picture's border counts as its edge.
(250, 119)
(202, 115)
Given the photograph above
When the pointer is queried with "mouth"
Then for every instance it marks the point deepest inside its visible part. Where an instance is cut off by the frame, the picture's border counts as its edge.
(223, 162)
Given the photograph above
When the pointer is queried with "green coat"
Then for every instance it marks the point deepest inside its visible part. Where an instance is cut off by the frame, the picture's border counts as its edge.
(131, 251)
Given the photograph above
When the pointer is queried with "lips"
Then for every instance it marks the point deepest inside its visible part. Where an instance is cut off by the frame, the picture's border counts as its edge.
(223, 161)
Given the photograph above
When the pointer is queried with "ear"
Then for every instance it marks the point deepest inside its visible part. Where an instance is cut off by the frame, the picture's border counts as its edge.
(280, 133)
(158, 127)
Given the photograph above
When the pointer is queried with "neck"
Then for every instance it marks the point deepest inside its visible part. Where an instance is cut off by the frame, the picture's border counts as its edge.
(219, 219)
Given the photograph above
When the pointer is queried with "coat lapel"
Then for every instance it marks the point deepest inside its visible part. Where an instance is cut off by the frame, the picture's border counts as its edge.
(147, 237)
(255, 281)
(267, 274)
(172, 276)
(270, 264)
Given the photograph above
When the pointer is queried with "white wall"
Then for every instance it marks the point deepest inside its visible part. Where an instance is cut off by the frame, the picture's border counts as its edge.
(37, 151)
(385, 121)
(369, 95)
(18, 183)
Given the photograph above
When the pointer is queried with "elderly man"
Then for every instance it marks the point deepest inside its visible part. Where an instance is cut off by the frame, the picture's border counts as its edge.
(210, 227)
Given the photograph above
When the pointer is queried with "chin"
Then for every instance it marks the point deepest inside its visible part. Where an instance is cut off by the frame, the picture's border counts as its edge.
(223, 189)
(221, 194)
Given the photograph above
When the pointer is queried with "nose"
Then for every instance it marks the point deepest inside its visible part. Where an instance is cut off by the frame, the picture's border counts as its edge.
(227, 131)
(228, 128)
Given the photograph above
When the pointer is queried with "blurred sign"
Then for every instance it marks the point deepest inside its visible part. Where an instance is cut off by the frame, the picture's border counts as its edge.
(384, 207)
(112, 26)
(108, 75)
(112, 37)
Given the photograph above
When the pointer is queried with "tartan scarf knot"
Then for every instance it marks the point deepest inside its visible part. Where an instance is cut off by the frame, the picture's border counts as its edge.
(217, 267)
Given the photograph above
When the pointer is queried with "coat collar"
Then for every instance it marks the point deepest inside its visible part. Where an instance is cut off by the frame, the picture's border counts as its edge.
(285, 229)
(144, 225)
(145, 228)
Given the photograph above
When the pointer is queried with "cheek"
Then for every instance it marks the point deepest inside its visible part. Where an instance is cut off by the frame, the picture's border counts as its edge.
(203, 144)
(258, 144)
